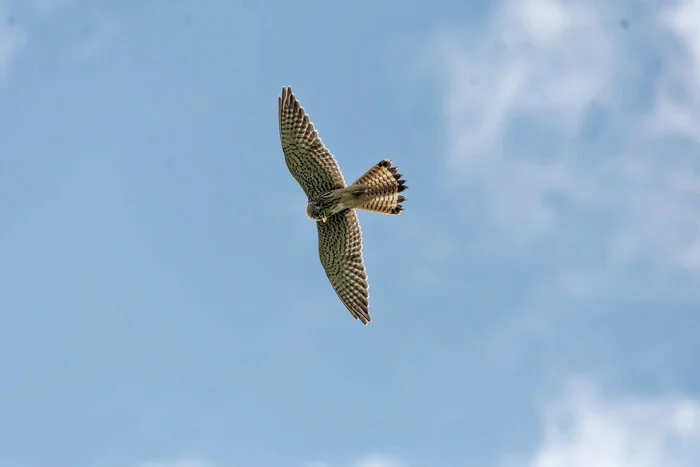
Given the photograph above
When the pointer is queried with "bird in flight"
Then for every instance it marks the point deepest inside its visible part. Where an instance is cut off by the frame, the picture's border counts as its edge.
(332, 204)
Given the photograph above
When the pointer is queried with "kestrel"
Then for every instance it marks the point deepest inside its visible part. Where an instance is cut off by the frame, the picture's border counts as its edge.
(332, 204)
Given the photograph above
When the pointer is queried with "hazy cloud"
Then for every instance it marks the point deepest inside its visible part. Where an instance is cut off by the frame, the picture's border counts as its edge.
(585, 428)
(367, 461)
(574, 128)
(12, 39)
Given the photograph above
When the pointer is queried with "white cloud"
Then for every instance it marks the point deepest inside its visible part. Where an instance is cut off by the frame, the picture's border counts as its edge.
(368, 461)
(679, 113)
(574, 129)
(585, 429)
(11, 39)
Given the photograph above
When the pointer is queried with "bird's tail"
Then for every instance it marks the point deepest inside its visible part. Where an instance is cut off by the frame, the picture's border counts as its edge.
(381, 187)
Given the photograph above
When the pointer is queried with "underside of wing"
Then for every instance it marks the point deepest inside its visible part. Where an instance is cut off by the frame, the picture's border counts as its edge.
(308, 160)
(340, 250)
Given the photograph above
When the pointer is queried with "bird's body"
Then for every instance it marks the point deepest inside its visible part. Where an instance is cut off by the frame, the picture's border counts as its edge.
(332, 204)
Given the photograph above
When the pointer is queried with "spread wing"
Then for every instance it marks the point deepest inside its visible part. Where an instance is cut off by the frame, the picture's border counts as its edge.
(310, 163)
(340, 249)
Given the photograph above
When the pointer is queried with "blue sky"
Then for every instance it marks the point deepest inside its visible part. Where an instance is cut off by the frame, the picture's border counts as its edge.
(161, 298)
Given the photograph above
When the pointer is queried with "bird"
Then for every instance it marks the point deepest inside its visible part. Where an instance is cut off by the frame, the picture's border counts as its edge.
(332, 204)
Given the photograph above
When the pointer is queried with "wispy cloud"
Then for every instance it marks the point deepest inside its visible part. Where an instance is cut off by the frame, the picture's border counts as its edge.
(678, 109)
(586, 428)
(12, 39)
(578, 125)
(374, 460)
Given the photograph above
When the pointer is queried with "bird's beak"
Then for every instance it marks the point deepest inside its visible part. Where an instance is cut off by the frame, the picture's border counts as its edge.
(324, 218)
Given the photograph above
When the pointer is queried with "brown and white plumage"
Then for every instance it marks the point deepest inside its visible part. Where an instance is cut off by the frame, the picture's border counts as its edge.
(332, 204)
(382, 185)
(310, 163)
(340, 250)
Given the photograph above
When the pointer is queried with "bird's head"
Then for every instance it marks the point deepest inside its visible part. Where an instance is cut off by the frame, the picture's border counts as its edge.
(316, 212)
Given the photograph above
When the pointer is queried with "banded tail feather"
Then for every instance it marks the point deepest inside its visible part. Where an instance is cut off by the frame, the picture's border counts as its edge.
(382, 185)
